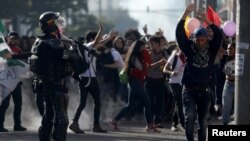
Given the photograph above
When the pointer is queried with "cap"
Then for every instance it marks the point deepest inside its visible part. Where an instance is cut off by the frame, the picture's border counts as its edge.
(13, 34)
(198, 32)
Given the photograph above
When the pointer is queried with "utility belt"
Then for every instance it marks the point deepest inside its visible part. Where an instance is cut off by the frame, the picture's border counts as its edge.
(58, 86)
(195, 88)
(59, 82)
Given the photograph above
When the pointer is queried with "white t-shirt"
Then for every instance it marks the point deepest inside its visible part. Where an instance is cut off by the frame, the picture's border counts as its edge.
(117, 57)
(230, 67)
(90, 72)
(179, 68)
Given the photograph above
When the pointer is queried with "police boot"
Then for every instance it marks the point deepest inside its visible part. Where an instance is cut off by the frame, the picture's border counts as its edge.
(43, 134)
(60, 130)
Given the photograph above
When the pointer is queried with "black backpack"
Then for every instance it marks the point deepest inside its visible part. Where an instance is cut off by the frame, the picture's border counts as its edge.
(77, 58)
(174, 62)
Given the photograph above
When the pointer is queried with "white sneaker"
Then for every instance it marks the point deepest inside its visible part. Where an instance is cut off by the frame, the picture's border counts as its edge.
(174, 128)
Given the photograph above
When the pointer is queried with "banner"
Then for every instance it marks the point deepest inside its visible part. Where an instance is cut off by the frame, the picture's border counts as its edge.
(11, 70)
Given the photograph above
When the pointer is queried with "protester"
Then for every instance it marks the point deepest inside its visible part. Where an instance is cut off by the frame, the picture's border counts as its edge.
(175, 68)
(13, 42)
(88, 84)
(197, 77)
(155, 81)
(137, 63)
(229, 86)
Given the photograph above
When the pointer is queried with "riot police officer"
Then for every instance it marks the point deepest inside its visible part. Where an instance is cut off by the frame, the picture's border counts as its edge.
(50, 68)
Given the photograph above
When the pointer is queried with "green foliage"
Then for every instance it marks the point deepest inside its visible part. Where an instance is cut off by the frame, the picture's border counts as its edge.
(12, 8)
(30, 10)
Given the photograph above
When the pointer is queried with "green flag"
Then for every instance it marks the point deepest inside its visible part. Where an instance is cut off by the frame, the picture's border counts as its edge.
(11, 62)
(3, 52)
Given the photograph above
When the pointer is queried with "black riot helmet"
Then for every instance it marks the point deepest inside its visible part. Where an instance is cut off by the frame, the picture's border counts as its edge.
(51, 22)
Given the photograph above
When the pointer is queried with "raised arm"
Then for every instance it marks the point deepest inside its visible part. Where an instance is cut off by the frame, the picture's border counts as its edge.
(181, 36)
(217, 37)
(98, 36)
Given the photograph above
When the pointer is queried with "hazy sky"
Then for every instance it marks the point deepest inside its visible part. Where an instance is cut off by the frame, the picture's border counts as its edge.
(156, 18)
(159, 17)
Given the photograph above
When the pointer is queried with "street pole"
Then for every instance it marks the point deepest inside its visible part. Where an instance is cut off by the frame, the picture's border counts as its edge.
(100, 8)
(242, 79)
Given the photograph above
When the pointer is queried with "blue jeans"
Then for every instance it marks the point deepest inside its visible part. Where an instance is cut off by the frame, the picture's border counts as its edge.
(196, 104)
(227, 101)
(137, 93)
(178, 116)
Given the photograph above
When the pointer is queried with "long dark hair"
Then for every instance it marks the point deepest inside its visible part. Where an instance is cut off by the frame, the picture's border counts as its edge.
(137, 47)
(134, 51)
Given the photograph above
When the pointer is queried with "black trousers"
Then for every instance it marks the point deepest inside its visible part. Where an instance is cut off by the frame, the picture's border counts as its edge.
(93, 89)
(156, 90)
(55, 119)
(17, 99)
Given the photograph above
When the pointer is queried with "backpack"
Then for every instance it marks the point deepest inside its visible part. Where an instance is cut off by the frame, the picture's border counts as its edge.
(74, 56)
(77, 58)
(174, 62)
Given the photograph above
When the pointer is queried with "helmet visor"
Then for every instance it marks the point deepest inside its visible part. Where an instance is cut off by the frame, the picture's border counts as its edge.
(60, 22)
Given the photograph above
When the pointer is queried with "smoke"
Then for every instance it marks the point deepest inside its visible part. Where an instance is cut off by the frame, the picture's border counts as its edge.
(31, 118)
(157, 16)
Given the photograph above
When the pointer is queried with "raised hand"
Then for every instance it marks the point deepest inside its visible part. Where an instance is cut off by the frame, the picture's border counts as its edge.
(190, 8)
(145, 29)
(201, 15)
(100, 25)
(161, 31)
(113, 34)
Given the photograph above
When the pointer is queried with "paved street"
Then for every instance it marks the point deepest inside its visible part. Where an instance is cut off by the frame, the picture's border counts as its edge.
(128, 132)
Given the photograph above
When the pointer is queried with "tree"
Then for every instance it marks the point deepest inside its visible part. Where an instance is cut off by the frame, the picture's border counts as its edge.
(76, 12)
(28, 11)
(12, 8)
(242, 96)
(64, 6)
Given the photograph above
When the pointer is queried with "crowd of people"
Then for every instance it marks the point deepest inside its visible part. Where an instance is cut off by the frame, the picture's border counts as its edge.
(184, 81)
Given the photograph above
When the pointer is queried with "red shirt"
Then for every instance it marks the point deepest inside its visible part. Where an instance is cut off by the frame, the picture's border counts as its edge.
(15, 49)
(146, 61)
